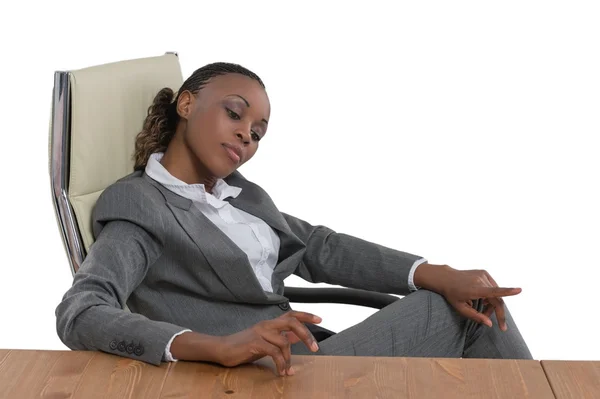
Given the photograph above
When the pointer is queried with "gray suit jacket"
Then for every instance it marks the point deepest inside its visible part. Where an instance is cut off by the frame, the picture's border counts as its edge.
(174, 269)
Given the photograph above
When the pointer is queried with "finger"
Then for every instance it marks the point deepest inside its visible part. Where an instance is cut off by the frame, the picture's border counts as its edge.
(488, 311)
(467, 311)
(275, 353)
(304, 317)
(494, 292)
(484, 280)
(292, 324)
(498, 305)
(491, 279)
(302, 332)
(291, 337)
(280, 340)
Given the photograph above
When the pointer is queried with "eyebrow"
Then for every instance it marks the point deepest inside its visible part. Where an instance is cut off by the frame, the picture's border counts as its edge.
(248, 105)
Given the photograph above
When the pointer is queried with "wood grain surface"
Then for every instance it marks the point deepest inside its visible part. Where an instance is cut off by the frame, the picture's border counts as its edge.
(572, 379)
(76, 374)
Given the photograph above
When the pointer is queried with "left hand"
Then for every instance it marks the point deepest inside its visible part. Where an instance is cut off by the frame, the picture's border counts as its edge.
(462, 287)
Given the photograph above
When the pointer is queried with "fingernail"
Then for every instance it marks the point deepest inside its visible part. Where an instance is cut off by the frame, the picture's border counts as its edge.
(318, 319)
(314, 346)
(282, 372)
(291, 371)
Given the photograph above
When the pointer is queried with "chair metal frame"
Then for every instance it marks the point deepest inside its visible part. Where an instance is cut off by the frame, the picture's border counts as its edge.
(60, 146)
(59, 152)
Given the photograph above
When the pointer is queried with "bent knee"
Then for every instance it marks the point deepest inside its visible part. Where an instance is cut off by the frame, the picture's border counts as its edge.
(436, 306)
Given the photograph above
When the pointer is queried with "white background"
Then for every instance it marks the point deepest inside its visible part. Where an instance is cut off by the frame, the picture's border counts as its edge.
(465, 132)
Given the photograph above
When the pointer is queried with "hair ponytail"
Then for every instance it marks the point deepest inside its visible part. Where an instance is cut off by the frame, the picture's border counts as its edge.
(158, 129)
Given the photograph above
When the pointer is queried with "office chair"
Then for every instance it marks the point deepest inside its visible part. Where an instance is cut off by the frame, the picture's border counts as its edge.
(96, 114)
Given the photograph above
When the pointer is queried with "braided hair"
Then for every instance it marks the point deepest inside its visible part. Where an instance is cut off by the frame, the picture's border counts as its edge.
(162, 119)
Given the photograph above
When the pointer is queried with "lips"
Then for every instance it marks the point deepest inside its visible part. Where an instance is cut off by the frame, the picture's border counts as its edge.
(234, 152)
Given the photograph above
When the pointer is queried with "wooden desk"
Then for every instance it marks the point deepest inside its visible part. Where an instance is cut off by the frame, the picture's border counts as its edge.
(65, 374)
(577, 380)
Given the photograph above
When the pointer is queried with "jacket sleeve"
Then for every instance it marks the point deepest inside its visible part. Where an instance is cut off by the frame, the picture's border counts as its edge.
(91, 314)
(341, 259)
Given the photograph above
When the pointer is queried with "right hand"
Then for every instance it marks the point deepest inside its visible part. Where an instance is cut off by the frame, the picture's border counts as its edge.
(462, 287)
(270, 338)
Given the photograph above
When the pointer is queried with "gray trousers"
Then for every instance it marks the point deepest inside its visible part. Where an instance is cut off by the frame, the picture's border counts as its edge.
(423, 324)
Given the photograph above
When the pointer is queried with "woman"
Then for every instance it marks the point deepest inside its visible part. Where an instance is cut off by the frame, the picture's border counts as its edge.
(199, 255)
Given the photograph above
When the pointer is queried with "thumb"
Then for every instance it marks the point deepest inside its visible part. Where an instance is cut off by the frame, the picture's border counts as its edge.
(467, 311)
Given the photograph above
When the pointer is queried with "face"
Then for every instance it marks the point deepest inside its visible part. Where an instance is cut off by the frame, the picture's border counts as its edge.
(224, 123)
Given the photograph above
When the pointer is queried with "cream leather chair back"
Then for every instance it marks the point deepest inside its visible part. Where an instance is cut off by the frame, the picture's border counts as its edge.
(96, 114)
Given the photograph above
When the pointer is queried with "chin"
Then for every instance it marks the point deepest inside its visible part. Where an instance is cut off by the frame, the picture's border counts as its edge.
(222, 171)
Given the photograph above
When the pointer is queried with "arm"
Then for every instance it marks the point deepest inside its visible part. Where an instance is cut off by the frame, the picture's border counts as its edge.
(341, 259)
(91, 315)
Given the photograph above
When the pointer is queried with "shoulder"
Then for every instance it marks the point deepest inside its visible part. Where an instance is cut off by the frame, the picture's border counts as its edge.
(131, 198)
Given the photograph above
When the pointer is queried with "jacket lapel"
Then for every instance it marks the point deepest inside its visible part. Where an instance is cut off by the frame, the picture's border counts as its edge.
(226, 259)
(254, 200)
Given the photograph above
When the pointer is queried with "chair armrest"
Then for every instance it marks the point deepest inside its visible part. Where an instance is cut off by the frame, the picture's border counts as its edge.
(346, 296)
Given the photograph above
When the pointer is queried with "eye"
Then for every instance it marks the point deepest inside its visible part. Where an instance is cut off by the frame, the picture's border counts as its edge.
(255, 136)
(232, 114)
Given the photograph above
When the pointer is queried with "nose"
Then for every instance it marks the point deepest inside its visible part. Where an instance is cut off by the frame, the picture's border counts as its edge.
(243, 136)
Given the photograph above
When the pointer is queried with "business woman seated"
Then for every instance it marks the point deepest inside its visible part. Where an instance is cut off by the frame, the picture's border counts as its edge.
(199, 254)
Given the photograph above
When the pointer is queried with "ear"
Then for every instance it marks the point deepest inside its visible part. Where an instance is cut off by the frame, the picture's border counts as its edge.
(185, 104)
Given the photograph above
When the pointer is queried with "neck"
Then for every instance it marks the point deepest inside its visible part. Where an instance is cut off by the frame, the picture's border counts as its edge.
(183, 165)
